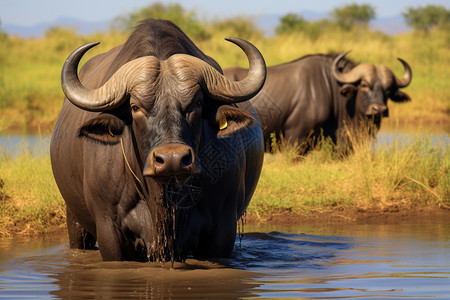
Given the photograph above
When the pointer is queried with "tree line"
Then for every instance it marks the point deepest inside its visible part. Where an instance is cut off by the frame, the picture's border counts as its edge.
(347, 17)
(353, 16)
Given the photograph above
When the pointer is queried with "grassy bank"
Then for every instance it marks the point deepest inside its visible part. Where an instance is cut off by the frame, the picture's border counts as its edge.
(31, 96)
(29, 199)
(416, 174)
(407, 175)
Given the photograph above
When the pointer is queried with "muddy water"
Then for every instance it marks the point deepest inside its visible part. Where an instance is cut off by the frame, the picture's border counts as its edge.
(411, 260)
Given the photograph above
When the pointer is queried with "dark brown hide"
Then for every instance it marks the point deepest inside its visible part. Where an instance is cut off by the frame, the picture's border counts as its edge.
(303, 98)
(138, 153)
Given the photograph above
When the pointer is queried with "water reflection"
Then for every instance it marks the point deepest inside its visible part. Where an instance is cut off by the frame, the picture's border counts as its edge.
(281, 251)
(336, 261)
(379, 261)
(65, 273)
(388, 138)
(87, 278)
(17, 144)
(40, 145)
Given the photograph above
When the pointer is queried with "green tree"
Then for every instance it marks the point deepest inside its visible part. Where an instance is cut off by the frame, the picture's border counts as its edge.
(352, 15)
(3, 34)
(290, 23)
(241, 27)
(425, 18)
(186, 20)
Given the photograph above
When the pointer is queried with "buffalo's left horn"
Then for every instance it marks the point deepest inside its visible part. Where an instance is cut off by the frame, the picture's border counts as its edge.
(407, 76)
(223, 89)
(349, 77)
(111, 94)
(352, 76)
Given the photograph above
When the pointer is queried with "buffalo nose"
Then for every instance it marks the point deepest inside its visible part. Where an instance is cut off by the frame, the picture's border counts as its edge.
(170, 160)
(377, 109)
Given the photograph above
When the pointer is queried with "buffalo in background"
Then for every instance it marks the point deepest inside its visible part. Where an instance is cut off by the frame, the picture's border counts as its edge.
(324, 94)
(151, 153)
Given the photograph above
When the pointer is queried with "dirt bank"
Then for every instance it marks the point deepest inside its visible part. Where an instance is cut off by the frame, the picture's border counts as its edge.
(394, 214)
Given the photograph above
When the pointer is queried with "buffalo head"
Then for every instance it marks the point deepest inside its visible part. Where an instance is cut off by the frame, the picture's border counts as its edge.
(371, 86)
(167, 100)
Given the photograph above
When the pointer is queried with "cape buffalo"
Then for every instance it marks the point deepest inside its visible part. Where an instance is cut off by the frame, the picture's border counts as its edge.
(322, 93)
(151, 153)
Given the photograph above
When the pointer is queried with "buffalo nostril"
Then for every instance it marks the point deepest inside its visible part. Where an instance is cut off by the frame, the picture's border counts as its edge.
(186, 161)
(159, 159)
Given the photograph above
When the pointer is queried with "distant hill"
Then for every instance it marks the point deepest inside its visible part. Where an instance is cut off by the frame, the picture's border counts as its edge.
(392, 25)
(38, 30)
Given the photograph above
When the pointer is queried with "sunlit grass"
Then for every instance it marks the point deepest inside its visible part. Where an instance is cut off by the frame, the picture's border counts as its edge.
(408, 174)
(31, 96)
(416, 173)
(29, 199)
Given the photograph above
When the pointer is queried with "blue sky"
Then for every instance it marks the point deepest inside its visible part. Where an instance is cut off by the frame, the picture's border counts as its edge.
(32, 12)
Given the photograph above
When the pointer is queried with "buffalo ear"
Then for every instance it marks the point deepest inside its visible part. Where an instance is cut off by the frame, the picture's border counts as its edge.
(348, 90)
(105, 128)
(231, 120)
(400, 96)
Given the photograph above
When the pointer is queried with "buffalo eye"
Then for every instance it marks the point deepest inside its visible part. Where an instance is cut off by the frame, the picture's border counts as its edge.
(135, 108)
(197, 102)
(364, 84)
(196, 105)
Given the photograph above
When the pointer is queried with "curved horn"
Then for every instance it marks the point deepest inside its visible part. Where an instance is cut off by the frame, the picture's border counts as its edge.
(225, 90)
(108, 96)
(407, 76)
(349, 77)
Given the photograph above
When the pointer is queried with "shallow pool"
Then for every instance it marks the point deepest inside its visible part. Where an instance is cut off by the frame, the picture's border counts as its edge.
(377, 261)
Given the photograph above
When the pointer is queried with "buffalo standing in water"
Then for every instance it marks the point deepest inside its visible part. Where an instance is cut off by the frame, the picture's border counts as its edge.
(152, 156)
(323, 93)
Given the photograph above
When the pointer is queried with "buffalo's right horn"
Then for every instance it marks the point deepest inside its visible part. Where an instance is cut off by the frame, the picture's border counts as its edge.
(113, 92)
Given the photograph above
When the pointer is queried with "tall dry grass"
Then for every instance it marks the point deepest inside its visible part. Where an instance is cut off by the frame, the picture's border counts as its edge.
(407, 172)
(412, 171)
